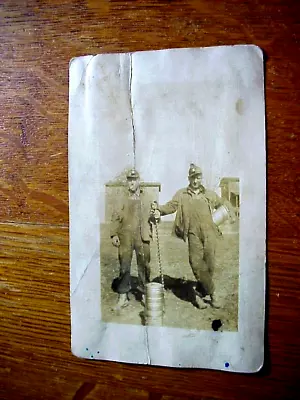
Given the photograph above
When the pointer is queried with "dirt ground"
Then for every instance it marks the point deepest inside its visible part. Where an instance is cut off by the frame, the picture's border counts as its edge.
(179, 293)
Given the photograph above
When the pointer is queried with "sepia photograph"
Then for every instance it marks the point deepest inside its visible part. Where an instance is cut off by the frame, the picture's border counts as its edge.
(177, 272)
(167, 207)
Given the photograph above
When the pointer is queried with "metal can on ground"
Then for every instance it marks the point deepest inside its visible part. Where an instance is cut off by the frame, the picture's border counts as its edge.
(154, 303)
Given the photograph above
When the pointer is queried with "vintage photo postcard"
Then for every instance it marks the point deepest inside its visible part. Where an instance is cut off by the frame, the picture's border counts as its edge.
(167, 185)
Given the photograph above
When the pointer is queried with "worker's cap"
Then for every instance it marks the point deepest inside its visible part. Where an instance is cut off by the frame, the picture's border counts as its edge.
(133, 174)
(194, 170)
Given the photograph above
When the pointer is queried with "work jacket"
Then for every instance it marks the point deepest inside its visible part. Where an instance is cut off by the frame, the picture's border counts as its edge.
(121, 213)
(181, 204)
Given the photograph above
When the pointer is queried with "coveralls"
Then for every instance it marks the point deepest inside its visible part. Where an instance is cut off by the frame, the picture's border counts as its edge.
(194, 222)
(131, 224)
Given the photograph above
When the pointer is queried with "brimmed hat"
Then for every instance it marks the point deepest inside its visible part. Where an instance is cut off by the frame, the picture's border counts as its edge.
(133, 174)
(194, 170)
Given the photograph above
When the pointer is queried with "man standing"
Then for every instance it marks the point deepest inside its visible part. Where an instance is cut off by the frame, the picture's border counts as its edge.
(131, 232)
(194, 206)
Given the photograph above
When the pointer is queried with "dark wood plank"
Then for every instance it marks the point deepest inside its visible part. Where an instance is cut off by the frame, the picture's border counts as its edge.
(39, 39)
(35, 331)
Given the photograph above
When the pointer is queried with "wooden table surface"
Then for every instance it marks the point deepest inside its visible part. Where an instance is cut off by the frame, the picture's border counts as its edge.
(38, 38)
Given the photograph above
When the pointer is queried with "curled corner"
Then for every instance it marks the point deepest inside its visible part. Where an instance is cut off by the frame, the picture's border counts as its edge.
(258, 50)
(258, 366)
(252, 47)
(76, 351)
(77, 70)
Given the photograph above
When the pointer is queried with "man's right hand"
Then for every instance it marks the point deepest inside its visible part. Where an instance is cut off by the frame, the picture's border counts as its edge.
(154, 216)
(116, 241)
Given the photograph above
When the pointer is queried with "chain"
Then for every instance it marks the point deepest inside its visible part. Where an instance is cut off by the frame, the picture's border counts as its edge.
(158, 254)
(140, 226)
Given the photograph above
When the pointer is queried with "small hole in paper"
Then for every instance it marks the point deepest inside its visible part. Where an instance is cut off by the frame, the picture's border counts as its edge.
(216, 324)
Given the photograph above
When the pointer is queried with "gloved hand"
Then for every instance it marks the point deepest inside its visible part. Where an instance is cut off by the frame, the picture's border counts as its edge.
(154, 213)
(116, 241)
(154, 205)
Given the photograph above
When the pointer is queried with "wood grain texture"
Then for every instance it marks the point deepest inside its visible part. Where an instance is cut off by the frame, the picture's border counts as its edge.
(38, 38)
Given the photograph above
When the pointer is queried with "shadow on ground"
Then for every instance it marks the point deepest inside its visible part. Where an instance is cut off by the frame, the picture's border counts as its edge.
(181, 309)
(134, 287)
(181, 288)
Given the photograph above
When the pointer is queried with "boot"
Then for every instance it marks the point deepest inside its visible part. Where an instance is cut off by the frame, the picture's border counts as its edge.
(215, 301)
(122, 302)
(201, 303)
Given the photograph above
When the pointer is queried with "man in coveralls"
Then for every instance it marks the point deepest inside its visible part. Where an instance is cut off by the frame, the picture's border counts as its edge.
(131, 231)
(194, 206)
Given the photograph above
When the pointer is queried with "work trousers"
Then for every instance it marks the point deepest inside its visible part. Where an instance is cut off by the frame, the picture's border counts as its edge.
(202, 249)
(130, 243)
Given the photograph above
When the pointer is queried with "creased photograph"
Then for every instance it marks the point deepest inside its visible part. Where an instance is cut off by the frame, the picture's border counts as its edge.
(167, 188)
